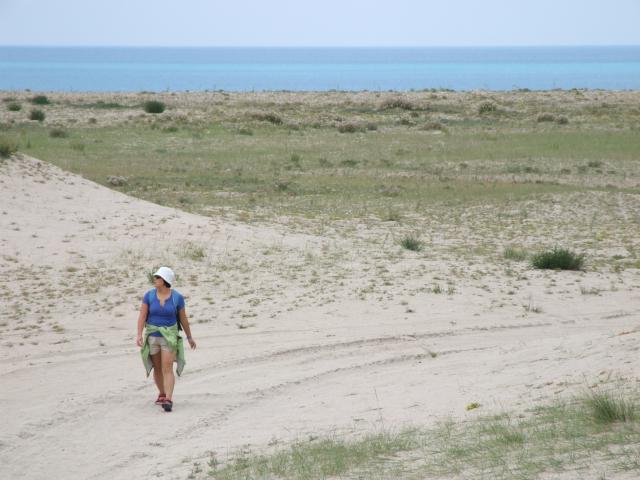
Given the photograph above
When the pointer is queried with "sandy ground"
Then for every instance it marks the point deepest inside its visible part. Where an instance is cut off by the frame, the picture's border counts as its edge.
(73, 265)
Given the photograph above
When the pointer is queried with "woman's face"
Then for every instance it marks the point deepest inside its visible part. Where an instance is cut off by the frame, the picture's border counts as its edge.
(158, 282)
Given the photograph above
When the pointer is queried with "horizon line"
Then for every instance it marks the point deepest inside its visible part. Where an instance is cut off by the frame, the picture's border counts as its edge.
(319, 46)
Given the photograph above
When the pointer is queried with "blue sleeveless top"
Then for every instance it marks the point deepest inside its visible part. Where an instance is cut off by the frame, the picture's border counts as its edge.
(162, 315)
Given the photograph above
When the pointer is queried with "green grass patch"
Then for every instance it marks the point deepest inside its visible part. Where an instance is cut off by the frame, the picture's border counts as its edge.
(558, 259)
(563, 437)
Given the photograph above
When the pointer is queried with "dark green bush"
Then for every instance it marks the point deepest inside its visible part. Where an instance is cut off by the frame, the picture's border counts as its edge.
(154, 106)
(40, 100)
(14, 107)
(36, 115)
(558, 259)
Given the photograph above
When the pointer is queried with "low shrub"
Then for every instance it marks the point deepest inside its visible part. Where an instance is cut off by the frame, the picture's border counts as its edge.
(398, 102)
(40, 100)
(545, 117)
(558, 259)
(154, 106)
(487, 107)
(7, 147)
(14, 107)
(349, 127)
(58, 133)
(36, 114)
(562, 120)
(434, 125)
(267, 117)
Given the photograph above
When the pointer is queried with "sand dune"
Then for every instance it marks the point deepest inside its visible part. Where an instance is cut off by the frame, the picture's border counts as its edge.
(270, 368)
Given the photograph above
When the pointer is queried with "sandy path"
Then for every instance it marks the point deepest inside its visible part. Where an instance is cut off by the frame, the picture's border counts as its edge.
(78, 404)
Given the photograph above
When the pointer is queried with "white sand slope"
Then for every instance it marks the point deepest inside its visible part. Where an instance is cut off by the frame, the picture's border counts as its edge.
(307, 360)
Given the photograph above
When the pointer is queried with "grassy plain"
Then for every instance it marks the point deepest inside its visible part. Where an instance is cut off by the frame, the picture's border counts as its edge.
(418, 201)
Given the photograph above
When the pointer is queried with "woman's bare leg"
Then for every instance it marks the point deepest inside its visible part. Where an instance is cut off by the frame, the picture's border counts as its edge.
(169, 379)
(157, 372)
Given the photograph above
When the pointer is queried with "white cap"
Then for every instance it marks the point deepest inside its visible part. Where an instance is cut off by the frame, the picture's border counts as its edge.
(167, 274)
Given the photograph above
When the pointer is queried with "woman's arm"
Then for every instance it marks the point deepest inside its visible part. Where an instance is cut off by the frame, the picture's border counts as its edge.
(186, 327)
(142, 318)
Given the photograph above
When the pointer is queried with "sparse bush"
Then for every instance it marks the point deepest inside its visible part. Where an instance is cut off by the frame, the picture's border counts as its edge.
(36, 114)
(7, 147)
(398, 102)
(371, 126)
(349, 127)
(545, 117)
(594, 163)
(562, 120)
(433, 125)
(267, 117)
(58, 133)
(283, 185)
(558, 259)
(411, 242)
(92, 121)
(193, 251)
(14, 107)
(154, 106)
(40, 100)
(77, 146)
(487, 107)
(116, 180)
(512, 253)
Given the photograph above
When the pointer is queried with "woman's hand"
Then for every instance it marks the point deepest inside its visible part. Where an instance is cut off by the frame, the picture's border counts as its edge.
(192, 342)
(139, 340)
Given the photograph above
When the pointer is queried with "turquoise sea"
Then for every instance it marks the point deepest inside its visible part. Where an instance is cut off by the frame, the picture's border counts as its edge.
(100, 69)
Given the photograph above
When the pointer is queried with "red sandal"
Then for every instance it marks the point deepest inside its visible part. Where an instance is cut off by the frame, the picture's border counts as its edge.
(161, 398)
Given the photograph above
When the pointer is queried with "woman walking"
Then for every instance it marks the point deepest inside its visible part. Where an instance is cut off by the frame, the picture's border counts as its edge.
(163, 312)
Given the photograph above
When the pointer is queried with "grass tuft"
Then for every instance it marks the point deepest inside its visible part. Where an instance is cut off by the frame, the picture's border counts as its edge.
(558, 259)
(512, 253)
(58, 133)
(411, 242)
(605, 408)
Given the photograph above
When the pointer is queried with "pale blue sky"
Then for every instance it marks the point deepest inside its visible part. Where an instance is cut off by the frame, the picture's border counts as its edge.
(319, 23)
